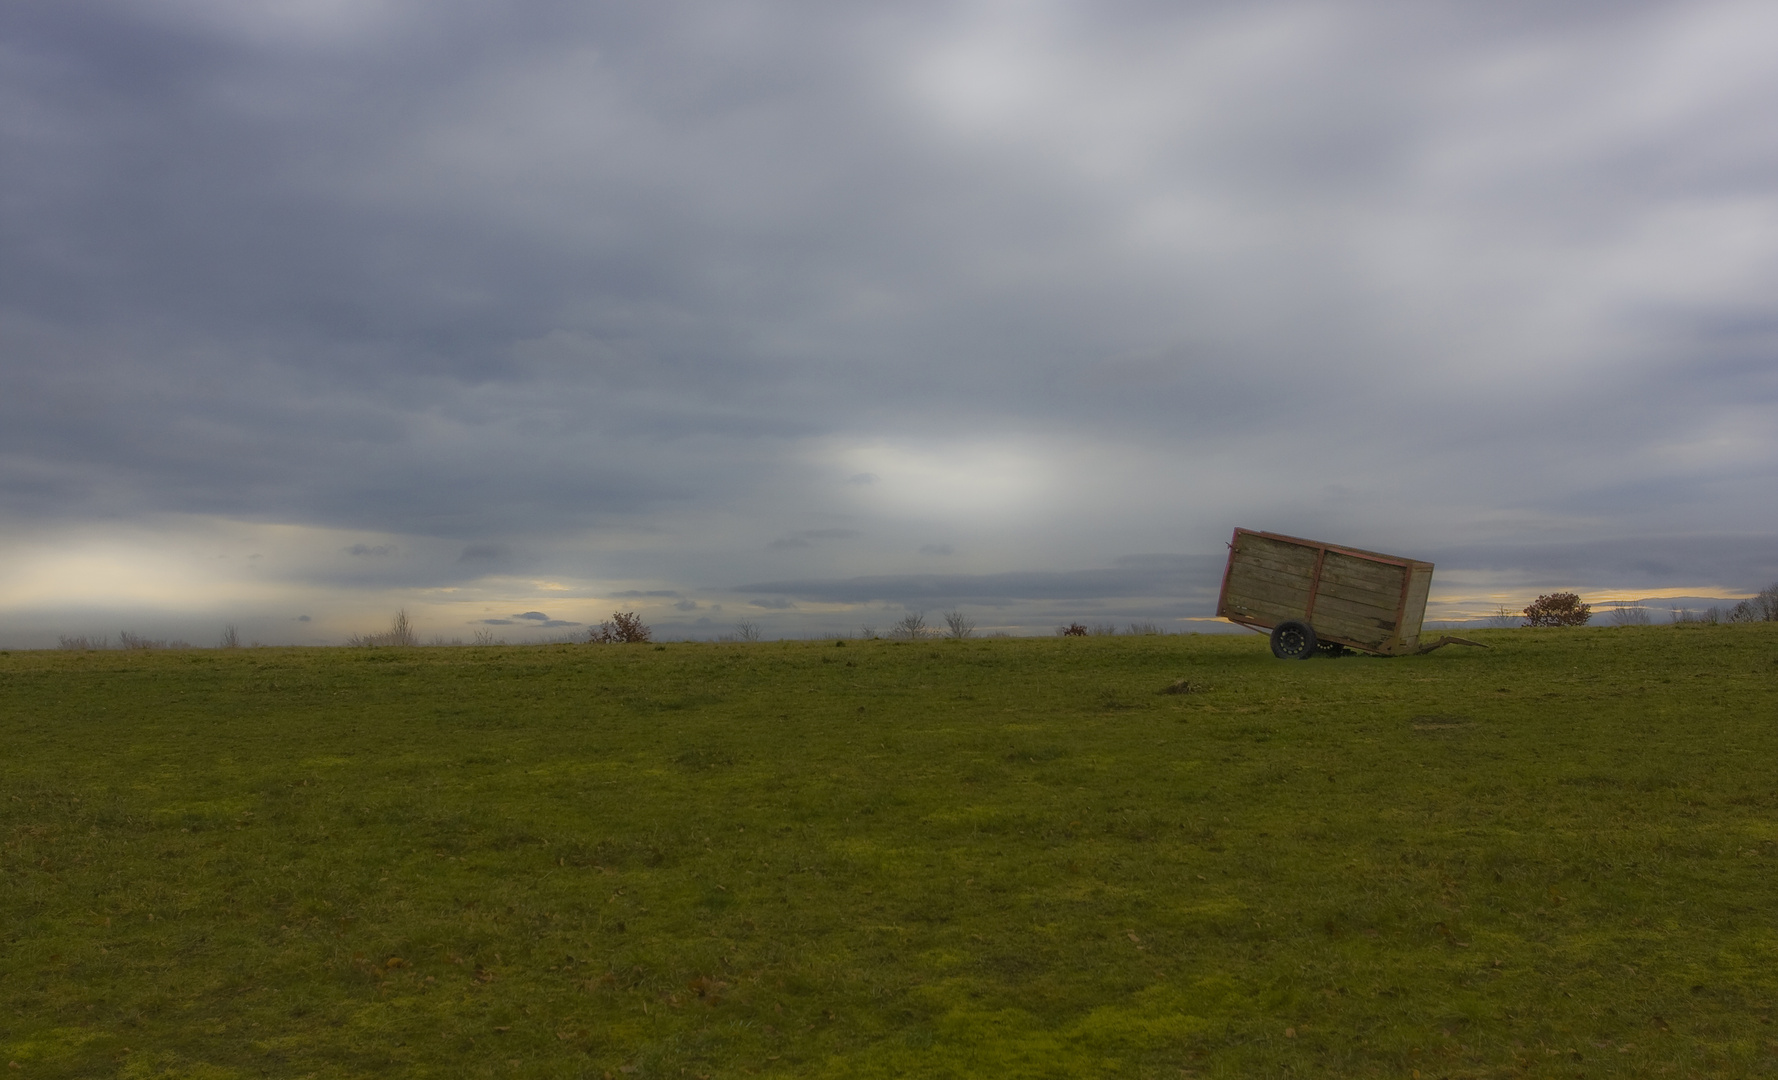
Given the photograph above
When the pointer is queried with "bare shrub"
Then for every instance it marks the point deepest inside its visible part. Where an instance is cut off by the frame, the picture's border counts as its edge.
(911, 627)
(1710, 616)
(400, 632)
(1503, 618)
(1760, 608)
(1143, 629)
(1629, 615)
(623, 628)
(485, 637)
(1104, 629)
(1073, 629)
(231, 637)
(1558, 609)
(959, 625)
(868, 633)
(84, 642)
(747, 631)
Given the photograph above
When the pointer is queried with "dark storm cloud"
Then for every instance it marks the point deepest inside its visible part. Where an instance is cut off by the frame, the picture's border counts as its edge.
(1748, 563)
(1168, 576)
(496, 278)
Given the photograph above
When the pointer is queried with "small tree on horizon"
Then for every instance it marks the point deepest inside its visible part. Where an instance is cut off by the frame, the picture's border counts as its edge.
(400, 632)
(961, 625)
(912, 626)
(1558, 609)
(623, 628)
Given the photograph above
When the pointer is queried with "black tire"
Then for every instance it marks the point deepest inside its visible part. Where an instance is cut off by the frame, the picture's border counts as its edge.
(1293, 640)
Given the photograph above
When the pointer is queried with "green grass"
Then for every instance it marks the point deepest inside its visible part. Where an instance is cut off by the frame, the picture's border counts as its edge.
(999, 858)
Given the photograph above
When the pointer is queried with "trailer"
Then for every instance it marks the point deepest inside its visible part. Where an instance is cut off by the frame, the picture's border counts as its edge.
(1313, 596)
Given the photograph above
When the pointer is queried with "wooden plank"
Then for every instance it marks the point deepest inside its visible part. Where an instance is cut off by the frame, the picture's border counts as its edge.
(1384, 601)
(1345, 570)
(1354, 633)
(1343, 548)
(1277, 557)
(1246, 573)
(1357, 613)
(1295, 602)
(1269, 613)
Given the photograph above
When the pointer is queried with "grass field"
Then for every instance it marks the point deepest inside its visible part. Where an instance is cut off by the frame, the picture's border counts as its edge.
(996, 858)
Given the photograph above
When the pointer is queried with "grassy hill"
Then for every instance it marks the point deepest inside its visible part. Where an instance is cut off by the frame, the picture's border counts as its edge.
(997, 858)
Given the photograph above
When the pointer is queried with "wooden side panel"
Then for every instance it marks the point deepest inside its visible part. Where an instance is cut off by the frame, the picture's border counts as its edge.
(1359, 600)
(1414, 611)
(1268, 580)
(1335, 619)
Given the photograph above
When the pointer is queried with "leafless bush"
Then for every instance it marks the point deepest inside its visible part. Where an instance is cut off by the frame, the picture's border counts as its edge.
(485, 637)
(623, 628)
(1104, 629)
(1143, 629)
(1503, 618)
(1629, 615)
(912, 626)
(1710, 616)
(1558, 609)
(84, 642)
(868, 633)
(231, 637)
(1073, 629)
(747, 631)
(127, 640)
(400, 632)
(1760, 608)
(960, 625)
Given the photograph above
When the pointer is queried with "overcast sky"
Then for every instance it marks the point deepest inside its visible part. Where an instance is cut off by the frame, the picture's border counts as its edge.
(811, 314)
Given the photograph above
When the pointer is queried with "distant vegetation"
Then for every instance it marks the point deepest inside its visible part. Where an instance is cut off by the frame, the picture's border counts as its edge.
(1761, 608)
(623, 628)
(400, 633)
(1558, 609)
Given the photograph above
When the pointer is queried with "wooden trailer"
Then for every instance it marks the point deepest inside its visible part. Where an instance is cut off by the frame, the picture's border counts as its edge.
(1310, 594)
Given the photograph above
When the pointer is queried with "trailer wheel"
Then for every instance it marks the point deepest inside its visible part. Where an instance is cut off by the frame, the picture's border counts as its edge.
(1293, 640)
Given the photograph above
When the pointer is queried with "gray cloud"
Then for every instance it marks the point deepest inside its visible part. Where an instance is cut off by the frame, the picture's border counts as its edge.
(484, 553)
(601, 293)
(805, 537)
(1172, 576)
(1748, 563)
